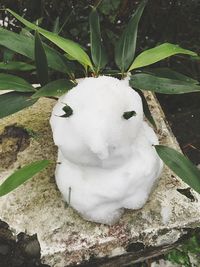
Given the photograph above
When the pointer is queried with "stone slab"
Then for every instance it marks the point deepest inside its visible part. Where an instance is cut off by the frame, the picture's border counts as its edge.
(65, 238)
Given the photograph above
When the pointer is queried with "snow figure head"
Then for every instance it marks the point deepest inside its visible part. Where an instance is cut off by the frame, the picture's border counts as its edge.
(107, 116)
(98, 127)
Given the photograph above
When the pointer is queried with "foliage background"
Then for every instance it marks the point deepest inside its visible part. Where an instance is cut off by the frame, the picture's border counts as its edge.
(175, 21)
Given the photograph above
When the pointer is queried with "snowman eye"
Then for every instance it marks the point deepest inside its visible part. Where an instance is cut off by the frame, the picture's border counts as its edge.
(68, 111)
(128, 114)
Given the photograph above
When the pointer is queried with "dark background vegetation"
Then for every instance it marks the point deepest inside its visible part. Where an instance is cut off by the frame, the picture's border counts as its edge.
(175, 21)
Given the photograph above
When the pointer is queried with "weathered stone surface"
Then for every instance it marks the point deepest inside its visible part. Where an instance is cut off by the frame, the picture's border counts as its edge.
(65, 238)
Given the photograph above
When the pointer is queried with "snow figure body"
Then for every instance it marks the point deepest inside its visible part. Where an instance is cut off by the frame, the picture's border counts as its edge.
(106, 157)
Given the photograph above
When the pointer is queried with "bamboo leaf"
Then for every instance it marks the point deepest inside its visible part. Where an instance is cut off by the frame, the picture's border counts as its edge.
(25, 46)
(56, 25)
(180, 165)
(66, 45)
(17, 66)
(21, 176)
(125, 48)
(13, 102)
(170, 74)
(55, 88)
(156, 84)
(158, 53)
(7, 55)
(12, 82)
(146, 109)
(97, 50)
(41, 61)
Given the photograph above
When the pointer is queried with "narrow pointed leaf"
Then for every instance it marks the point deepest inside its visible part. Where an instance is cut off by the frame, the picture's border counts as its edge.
(146, 109)
(97, 50)
(180, 165)
(21, 176)
(12, 82)
(66, 45)
(16, 66)
(55, 88)
(13, 102)
(69, 47)
(25, 46)
(170, 74)
(7, 55)
(125, 48)
(158, 53)
(56, 25)
(156, 84)
(41, 61)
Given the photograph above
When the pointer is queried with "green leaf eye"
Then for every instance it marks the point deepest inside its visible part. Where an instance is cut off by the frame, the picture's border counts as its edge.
(68, 111)
(128, 114)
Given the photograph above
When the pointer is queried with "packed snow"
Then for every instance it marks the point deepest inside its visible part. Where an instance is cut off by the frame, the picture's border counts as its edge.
(105, 162)
(166, 213)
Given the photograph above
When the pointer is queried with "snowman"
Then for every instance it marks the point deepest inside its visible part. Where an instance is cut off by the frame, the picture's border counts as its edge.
(106, 156)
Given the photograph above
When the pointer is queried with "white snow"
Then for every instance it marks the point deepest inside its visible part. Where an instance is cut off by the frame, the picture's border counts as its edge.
(166, 213)
(107, 162)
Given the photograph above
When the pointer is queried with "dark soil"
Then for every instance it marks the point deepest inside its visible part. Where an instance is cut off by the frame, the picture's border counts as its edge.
(18, 251)
(13, 140)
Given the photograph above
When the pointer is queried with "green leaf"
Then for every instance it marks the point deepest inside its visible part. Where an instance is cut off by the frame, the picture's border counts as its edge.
(7, 55)
(192, 245)
(25, 46)
(125, 48)
(180, 165)
(55, 88)
(179, 257)
(69, 47)
(13, 102)
(158, 53)
(97, 50)
(146, 109)
(41, 61)
(21, 176)
(17, 66)
(69, 57)
(149, 82)
(66, 45)
(56, 25)
(170, 74)
(11, 82)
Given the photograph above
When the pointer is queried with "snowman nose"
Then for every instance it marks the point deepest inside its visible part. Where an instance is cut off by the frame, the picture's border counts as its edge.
(99, 147)
(103, 154)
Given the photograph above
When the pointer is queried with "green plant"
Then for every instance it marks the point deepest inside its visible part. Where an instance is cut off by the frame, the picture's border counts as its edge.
(44, 58)
(181, 254)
